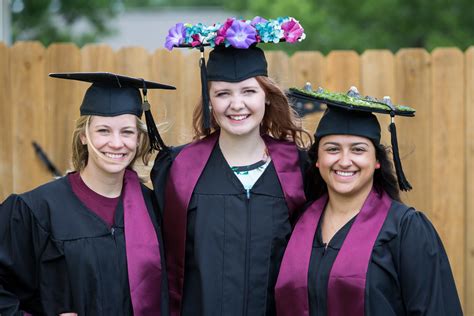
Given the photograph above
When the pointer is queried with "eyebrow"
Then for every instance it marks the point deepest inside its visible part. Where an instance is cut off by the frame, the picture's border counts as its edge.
(352, 144)
(242, 88)
(108, 126)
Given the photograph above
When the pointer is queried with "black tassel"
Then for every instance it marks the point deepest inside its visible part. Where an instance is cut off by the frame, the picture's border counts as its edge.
(156, 142)
(206, 123)
(402, 180)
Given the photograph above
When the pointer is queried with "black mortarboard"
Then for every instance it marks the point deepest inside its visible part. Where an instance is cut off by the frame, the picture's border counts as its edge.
(234, 65)
(350, 114)
(111, 95)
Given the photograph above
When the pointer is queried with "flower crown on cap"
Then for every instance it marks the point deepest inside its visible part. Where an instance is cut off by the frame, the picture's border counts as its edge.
(235, 32)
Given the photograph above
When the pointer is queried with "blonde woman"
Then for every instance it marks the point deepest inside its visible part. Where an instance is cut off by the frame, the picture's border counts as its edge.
(89, 242)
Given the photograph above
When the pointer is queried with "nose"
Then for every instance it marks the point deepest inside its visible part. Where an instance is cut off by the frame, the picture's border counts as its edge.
(115, 140)
(345, 161)
(237, 103)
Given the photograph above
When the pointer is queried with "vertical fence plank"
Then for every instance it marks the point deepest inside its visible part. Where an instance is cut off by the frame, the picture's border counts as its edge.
(413, 87)
(448, 160)
(189, 91)
(469, 293)
(279, 68)
(97, 58)
(343, 71)
(378, 80)
(308, 67)
(63, 98)
(27, 76)
(165, 69)
(6, 127)
(133, 61)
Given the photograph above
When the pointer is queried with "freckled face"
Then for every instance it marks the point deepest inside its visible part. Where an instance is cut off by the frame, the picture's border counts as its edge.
(238, 107)
(347, 163)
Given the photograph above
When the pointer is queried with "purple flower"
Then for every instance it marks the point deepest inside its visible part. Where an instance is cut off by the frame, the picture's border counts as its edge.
(241, 34)
(292, 31)
(258, 19)
(176, 36)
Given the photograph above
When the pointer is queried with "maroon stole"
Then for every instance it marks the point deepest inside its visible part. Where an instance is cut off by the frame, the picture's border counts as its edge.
(142, 248)
(346, 286)
(183, 177)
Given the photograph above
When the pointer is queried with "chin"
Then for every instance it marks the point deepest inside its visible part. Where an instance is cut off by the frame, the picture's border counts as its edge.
(114, 169)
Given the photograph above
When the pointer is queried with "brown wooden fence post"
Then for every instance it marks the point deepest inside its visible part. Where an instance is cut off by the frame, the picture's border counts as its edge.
(469, 106)
(6, 125)
(448, 159)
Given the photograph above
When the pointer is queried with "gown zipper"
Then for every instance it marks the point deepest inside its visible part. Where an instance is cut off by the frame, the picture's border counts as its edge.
(247, 255)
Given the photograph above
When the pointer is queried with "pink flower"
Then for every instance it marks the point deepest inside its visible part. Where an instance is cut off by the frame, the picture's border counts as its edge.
(221, 33)
(196, 40)
(292, 30)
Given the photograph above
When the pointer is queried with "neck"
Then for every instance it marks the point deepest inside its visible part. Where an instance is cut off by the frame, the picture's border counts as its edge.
(105, 184)
(241, 150)
(347, 205)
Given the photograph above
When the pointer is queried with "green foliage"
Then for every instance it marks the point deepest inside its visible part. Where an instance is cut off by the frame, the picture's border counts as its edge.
(329, 24)
(51, 21)
(374, 24)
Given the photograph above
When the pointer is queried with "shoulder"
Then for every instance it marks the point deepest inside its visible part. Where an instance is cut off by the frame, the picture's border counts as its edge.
(411, 226)
(37, 203)
(46, 192)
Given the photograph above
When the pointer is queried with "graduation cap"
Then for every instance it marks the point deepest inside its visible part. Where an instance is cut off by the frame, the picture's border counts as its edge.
(112, 94)
(351, 114)
(235, 56)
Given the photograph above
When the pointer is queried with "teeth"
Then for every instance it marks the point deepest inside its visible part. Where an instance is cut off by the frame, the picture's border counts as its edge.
(345, 173)
(238, 117)
(114, 156)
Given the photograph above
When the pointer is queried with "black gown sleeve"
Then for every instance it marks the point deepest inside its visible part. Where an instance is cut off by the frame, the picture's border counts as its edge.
(21, 242)
(426, 280)
(159, 173)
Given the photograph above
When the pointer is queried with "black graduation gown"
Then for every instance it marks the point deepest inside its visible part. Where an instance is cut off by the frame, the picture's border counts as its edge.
(408, 274)
(58, 256)
(235, 239)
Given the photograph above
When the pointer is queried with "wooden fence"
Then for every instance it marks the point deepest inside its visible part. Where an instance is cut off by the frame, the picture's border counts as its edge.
(437, 146)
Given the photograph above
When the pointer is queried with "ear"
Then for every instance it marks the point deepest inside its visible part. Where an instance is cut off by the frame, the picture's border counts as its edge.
(317, 164)
(377, 165)
(83, 139)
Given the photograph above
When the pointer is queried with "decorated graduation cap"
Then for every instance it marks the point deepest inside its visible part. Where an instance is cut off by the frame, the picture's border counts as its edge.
(352, 114)
(235, 56)
(112, 95)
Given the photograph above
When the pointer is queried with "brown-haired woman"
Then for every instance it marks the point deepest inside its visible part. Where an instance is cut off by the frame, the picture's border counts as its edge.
(89, 243)
(231, 193)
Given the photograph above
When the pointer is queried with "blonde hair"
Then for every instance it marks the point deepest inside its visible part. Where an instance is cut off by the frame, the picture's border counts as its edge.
(280, 119)
(80, 153)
